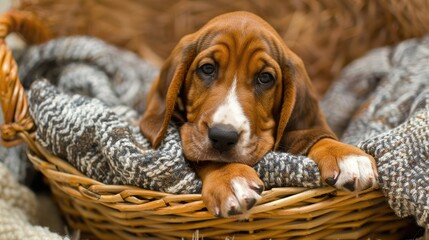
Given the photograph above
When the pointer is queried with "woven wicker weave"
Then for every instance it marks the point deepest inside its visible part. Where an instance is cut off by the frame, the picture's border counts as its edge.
(125, 212)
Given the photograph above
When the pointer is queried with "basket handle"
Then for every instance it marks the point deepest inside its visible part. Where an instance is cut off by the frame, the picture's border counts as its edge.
(12, 95)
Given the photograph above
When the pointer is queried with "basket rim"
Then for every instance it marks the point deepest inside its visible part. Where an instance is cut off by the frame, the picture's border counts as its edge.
(54, 168)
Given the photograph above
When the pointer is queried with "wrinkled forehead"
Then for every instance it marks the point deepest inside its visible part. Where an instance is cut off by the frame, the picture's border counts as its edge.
(240, 32)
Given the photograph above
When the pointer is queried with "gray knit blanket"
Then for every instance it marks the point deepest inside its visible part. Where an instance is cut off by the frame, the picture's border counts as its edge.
(87, 109)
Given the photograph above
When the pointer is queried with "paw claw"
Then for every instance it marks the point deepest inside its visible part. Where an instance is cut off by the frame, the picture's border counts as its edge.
(217, 212)
(234, 211)
(331, 181)
(356, 173)
(257, 188)
(350, 185)
(250, 202)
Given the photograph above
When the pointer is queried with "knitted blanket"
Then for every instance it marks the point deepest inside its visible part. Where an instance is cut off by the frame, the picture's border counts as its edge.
(18, 207)
(380, 103)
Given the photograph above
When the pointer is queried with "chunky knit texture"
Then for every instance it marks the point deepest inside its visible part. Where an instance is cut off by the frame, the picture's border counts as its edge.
(384, 109)
(380, 103)
(18, 207)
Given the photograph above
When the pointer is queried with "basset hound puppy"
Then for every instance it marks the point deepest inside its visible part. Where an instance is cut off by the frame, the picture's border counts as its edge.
(237, 92)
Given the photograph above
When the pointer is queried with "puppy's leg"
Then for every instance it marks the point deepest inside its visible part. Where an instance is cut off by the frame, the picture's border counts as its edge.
(344, 166)
(229, 189)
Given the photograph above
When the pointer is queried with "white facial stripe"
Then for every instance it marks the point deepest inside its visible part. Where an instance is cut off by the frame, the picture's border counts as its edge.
(230, 112)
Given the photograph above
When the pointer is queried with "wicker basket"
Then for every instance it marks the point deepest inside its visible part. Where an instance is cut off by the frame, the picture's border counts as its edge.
(126, 212)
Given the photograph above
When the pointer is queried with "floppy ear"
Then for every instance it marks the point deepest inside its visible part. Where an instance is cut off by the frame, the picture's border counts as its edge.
(301, 123)
(164, 93)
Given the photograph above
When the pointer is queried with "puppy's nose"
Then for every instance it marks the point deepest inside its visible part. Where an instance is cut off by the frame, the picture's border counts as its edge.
(223, 137)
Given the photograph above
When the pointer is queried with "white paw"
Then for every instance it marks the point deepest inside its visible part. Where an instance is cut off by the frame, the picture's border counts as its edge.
(356, 173)
(242, 198)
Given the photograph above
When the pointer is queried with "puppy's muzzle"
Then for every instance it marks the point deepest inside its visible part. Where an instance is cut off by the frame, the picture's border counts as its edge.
(223, 137)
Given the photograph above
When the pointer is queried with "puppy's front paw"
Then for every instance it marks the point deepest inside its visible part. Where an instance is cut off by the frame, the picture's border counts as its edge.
(356, 173)
(229, 194)
(344, 166)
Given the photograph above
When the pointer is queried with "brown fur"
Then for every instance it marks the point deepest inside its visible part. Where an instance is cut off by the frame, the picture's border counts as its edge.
(217, 177)
(285, 117)
(327, 152)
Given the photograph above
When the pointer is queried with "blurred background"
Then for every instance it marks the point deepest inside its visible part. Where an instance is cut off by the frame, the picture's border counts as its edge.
(325, 34)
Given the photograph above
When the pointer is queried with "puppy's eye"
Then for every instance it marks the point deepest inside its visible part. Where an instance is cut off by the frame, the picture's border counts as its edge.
(265, 79)
(207, 69)
(207, 72)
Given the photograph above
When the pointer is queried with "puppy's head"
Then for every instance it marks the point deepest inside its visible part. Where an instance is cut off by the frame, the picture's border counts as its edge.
(233, 86)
